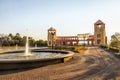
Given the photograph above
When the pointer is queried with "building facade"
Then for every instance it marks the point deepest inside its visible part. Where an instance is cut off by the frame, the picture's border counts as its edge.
(99, 37)
(100, 33)
(67, 40)
(51, 38)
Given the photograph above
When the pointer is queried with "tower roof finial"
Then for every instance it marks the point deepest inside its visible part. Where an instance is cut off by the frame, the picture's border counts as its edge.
(99, 22)
(51, 29)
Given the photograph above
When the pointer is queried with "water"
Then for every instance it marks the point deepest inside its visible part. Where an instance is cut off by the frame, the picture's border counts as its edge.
(35, 55)
(27, 47)
(27, 53)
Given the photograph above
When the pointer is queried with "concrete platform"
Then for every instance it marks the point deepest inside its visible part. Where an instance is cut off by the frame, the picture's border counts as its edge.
(7, 64)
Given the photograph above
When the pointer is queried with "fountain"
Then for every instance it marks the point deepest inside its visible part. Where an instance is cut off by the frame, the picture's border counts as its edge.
(16, 47)
(35, 45)
(18, 59)
(27, 53)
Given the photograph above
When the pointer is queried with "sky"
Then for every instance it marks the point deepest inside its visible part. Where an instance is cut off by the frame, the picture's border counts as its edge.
(68, 17)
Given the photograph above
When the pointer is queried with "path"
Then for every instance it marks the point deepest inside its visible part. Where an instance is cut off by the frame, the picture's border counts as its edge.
(93, 64)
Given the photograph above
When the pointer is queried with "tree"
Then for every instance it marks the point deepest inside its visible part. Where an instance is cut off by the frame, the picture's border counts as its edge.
(41, 43)
(1, 39)
(11, 41)
(31, 41)
(115, 40)
(17, 39)
(5, 41)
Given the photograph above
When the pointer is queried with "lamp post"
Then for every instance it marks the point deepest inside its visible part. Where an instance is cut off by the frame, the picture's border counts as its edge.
(52, 37)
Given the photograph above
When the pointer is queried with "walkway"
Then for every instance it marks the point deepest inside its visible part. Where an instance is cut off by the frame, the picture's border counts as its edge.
(94, 64)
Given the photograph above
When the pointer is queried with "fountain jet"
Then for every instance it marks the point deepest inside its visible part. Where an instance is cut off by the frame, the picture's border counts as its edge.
(27, 53)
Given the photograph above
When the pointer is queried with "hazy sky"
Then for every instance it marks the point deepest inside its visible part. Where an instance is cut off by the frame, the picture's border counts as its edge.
(69, 17)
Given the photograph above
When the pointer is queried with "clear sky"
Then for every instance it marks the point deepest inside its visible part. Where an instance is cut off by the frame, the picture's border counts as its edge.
(69, 17)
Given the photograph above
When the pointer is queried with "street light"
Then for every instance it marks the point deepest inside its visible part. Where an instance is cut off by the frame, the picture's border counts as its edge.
(52, 37)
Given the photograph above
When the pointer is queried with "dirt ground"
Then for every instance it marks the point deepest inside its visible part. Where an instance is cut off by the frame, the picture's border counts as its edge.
(93, 64)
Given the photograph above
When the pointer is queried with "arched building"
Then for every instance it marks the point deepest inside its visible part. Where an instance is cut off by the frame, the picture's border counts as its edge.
(99, 37)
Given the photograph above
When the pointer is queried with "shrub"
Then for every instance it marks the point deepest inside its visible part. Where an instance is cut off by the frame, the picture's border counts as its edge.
(65, 48)
(114, 49)
(104, 46)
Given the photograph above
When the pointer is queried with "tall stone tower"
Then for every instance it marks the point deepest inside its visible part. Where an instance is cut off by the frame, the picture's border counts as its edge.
(100, 33)
(51, 36)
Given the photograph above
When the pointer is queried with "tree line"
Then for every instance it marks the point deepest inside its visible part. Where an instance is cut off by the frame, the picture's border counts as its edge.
(17, 39)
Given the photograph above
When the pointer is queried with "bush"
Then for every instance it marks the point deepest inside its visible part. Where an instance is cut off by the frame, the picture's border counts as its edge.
(104, 46)
(65, 48)
(114, 49)
(111, 48)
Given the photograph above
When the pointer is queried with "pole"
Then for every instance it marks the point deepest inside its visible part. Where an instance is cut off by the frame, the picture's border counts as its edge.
(52, 41)
(84, 41)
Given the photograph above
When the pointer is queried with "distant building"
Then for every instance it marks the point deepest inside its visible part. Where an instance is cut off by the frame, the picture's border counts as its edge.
(99, 37)
(100, 33)
(67, 40)
(50, 37)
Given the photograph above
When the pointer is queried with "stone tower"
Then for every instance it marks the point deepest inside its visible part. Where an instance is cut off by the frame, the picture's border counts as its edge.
(100, 33)
(51, 36)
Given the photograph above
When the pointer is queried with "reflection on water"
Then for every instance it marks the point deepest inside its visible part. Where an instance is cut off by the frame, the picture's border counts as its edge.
(37, 55)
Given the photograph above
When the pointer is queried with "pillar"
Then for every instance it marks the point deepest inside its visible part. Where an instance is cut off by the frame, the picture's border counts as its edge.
(88, 42)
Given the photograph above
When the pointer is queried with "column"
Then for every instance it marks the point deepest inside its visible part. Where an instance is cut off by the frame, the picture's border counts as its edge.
(88, 42)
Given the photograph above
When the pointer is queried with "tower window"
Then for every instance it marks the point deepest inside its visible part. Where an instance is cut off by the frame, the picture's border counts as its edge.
(98, 35)
(99, 26)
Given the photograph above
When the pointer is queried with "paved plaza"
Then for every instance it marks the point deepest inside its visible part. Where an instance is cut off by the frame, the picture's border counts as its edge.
(93, 64)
